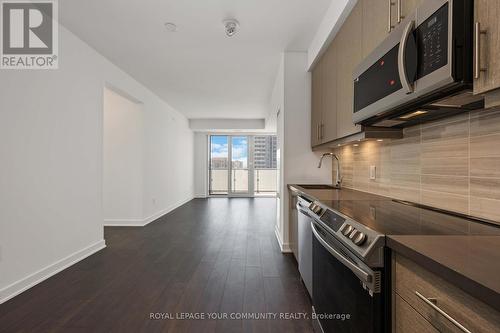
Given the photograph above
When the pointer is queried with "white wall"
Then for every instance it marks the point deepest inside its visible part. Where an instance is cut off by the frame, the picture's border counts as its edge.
(276, 117)
(51, 148)
(122, 165)
(292, 95)
(215, 124)
(330, 25)
(201, 164)
(168, 170)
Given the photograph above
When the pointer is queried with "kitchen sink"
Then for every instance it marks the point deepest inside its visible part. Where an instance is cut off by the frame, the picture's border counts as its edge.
(318, 187)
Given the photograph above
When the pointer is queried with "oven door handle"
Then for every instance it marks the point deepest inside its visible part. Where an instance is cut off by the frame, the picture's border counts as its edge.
(361, 274)
(408, 87)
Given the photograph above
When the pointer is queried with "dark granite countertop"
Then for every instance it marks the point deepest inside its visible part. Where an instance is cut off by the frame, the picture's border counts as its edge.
(463, 251)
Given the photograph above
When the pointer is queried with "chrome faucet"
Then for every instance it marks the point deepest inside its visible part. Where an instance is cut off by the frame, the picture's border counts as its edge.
(338, 178)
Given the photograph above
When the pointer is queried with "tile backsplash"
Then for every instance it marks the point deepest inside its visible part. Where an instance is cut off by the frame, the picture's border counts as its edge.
(452, 164)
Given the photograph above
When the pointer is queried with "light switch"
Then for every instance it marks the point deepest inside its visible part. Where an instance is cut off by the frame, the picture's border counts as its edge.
(373, 172)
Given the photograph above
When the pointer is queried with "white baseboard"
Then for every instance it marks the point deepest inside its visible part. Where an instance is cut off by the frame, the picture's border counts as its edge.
(159, 214)
(284, 247)
(147, 220)
(123, 223)
(31, 280)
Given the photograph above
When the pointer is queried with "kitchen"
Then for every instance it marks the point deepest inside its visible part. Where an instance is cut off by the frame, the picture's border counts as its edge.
(406, 238)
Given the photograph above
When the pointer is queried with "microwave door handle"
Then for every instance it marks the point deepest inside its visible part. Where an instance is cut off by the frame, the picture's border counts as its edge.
(361, 274)
(407, 85)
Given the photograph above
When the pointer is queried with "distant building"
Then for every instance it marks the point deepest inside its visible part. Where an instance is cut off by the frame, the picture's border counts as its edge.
(264, 156)
(219, 163)
(265, 148)
(237, 165)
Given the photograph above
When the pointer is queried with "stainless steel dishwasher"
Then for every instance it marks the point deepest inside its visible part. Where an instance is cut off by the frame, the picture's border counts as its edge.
(305, 242)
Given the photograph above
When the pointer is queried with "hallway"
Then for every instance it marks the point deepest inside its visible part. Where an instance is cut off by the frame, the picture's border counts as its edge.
(208, 256)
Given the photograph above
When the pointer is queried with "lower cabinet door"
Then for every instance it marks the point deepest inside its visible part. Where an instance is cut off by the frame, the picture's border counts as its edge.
(410, 321)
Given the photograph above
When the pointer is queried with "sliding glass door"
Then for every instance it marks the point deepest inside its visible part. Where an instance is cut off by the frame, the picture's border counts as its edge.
(219, 166)
(265, 164)
(242, 165)
(239, 181)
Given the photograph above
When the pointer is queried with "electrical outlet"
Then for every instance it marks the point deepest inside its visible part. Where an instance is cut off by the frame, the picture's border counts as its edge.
(373, 172)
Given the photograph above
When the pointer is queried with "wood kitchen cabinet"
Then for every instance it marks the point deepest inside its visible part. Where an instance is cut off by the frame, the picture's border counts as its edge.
(486, 13)
(316, 103)
(332, 82)
(425, 302)
(407, 320)
(407, 7)
(329, 109)
(349, 51)
(324, 92)
(375, 24)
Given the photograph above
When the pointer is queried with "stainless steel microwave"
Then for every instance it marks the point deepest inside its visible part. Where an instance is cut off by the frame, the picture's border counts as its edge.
(422, 71)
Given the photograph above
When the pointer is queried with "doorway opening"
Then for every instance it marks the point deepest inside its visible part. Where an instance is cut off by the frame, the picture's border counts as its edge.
(243, 165)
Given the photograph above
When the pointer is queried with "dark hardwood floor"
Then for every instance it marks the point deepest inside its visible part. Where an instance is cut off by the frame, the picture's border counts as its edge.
(208, 256)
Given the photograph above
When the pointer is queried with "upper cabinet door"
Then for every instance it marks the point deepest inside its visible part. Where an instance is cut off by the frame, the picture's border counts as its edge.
(349, 49)
(403, 8)
(487, 44)
(375, 23)
(316, 103)
(409, 6)
(329, 110)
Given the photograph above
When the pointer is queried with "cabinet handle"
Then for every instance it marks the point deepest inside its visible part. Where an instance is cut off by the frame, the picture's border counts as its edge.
(400, 12)
(322, 127)
(477, 50)
(318, 133)
(432, 303)
(389, 25)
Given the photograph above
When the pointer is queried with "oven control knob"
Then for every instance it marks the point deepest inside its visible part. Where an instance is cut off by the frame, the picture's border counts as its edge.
(359, 239)
(316, 209)
(346, 229)
(353, 234)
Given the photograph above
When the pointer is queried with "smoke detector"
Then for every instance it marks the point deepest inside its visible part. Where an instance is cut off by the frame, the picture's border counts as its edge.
(171, 27)
(231, 26)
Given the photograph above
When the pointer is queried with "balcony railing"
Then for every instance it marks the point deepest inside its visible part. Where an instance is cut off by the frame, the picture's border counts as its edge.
(219, 181)
(265, 181)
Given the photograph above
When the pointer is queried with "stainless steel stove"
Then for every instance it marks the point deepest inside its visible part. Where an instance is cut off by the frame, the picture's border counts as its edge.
(349, 272)
(366, 243)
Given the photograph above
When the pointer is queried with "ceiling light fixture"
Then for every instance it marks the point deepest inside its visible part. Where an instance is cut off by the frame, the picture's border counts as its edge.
(231, 26)
(172, 27)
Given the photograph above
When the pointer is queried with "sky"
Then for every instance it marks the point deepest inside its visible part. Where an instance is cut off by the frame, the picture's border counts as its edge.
(219, 147)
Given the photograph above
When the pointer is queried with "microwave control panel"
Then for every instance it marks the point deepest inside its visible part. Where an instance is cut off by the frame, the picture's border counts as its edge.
(432, 42)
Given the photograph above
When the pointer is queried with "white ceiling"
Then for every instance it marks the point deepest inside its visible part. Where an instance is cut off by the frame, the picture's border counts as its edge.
(198, 70)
